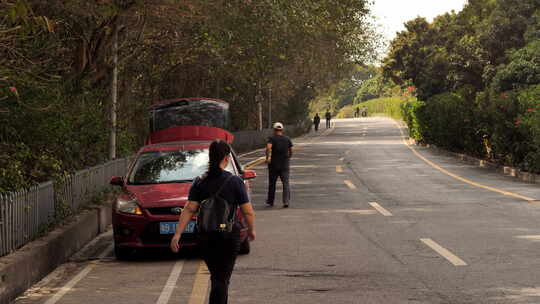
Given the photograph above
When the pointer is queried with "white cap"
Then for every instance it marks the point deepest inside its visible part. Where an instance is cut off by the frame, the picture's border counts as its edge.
(278, 126)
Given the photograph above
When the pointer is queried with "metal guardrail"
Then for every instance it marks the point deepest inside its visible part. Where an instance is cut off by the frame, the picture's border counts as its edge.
(25, 215)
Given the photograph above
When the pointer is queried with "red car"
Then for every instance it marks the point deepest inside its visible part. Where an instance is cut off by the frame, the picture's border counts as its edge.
(156, 187)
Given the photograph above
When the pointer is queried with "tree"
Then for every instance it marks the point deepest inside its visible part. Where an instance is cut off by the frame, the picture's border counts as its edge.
(56, 55)
(523, 70)
(415, 57)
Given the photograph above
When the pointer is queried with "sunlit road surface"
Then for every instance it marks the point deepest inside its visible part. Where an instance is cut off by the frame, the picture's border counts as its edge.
(371, 221)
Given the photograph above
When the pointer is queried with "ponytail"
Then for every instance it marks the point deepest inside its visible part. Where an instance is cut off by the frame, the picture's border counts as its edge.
(218, 151)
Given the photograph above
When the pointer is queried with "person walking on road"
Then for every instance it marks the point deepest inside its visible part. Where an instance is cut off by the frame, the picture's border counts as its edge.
(218, 249)
(328, 117)
(278, 153)
(357, 113)
(316, 121)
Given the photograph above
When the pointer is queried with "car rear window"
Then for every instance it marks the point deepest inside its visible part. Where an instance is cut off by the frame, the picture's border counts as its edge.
(177, 166)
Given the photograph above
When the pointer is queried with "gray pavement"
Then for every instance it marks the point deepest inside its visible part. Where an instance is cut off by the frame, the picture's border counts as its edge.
(370, 222)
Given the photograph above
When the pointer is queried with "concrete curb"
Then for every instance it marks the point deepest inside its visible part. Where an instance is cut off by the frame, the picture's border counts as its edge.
(26, 266)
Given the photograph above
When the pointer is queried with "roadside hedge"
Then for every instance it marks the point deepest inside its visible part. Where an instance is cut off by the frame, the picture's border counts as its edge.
(501, 127)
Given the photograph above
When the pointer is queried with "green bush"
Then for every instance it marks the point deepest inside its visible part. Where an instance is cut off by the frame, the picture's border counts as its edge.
(447, 120)
(506, 140)
(528, 126)
(504, 128)
(38, 145)
(409, 112)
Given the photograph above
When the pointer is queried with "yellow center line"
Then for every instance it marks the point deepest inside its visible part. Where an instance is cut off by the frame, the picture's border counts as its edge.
(200, 286)
(350, 184)
(452, 258)
(381, 210)
(462, 179)
(255, 163)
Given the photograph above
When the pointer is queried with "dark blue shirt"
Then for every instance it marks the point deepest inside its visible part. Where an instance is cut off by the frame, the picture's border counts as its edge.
(234, 192)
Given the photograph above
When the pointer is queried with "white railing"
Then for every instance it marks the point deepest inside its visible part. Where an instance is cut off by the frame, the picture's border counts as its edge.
(26, 214)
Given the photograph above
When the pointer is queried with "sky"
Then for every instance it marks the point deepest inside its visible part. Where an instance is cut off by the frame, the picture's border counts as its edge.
(391, 14)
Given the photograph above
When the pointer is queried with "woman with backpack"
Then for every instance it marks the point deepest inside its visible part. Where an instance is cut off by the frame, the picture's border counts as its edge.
(218, 248)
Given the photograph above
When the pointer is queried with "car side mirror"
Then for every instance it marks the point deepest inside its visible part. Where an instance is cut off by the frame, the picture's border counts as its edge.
(249, 174)
(117, 181)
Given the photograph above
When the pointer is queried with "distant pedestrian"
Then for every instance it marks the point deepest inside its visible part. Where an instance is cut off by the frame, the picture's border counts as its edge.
(218, 249)
(364, 112)
(279, 150)
(356, 112)
(328, 117)
(316, 121)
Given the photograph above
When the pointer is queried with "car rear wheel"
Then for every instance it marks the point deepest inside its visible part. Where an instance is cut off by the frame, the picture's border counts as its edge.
(122, 254)
(245, 247)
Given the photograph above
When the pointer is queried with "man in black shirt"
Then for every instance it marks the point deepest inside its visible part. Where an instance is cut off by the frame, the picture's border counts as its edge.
(278, 153)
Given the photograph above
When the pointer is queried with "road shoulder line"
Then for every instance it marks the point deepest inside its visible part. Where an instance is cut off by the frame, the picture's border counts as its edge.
(457, 177)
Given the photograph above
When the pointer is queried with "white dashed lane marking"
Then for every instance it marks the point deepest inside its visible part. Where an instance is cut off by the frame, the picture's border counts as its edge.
(350, 184)
(171, 283)
(81, 275)
(445, 253)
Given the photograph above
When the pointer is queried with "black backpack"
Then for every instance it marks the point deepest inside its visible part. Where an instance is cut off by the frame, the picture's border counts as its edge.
(216, 214)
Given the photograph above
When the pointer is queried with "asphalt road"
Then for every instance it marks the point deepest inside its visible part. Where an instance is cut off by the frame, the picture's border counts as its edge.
(370, 222)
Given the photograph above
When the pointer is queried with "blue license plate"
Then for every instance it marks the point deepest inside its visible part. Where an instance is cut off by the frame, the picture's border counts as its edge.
(170, 227)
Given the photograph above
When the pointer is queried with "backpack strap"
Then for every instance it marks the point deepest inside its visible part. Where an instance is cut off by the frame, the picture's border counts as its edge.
(196, 180)
(223, 185)
(233, 216)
